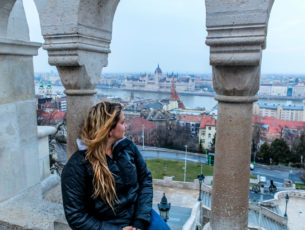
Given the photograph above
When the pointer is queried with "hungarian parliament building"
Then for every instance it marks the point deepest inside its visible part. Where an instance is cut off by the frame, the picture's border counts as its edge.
(160, 82)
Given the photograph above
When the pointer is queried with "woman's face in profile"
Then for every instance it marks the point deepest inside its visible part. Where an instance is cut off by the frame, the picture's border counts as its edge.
(119, 130)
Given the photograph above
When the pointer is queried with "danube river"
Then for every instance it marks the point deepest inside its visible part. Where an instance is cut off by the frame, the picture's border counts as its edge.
(190, 101)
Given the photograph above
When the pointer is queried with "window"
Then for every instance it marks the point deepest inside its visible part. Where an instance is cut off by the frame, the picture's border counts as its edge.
(209, 136)
(209, 127)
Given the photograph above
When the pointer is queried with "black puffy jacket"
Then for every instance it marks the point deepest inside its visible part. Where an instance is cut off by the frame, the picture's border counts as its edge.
(133, 187)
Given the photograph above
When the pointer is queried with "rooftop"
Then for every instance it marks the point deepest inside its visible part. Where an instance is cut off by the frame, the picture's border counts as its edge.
(208, 121)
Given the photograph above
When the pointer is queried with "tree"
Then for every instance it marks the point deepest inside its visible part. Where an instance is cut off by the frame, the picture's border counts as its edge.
(212, 148)
(279, 151)
(256, 136)
(200, 148)
(298, 149)
(302, 175)
(264, 153)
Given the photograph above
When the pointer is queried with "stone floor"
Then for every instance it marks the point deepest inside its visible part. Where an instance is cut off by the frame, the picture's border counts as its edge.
(182, 202)
(295, 212)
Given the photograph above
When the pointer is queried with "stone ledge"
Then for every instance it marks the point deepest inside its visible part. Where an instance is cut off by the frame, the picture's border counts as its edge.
(43, 131)
(20, 48)
(29, 211)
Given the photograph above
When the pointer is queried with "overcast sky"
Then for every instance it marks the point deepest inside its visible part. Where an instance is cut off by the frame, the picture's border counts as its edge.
(172, 33)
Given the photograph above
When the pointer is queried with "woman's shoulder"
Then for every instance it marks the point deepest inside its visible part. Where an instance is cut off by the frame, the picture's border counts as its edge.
(77, 162)
(79, 157)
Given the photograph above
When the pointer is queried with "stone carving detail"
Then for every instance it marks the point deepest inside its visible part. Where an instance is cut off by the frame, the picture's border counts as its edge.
(77, 36)
(236, 35)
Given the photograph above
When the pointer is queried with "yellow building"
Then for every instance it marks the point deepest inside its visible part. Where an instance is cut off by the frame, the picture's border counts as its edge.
(207, 131)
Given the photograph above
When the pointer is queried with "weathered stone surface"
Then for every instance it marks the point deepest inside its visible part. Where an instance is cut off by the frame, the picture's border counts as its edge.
(17, 24)
(16, 65)
(79, 106)
(6, 7)
(231, 169)
(43, 133)
(237, 31)
(19, 168)
(19, 152)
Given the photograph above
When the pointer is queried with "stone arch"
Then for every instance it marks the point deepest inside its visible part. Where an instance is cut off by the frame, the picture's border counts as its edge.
(6, 7)
(77, 36)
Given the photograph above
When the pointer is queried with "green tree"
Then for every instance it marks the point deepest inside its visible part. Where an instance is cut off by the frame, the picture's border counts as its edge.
(264, 153)
(279, 151)
(200, 148)
(298, 149)
(212, 148)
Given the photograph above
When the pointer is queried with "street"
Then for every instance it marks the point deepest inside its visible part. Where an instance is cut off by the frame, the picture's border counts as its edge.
(277, 174)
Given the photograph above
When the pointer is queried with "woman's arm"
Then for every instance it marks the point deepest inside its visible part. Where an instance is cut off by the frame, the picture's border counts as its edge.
(144, 202)
(73, 183)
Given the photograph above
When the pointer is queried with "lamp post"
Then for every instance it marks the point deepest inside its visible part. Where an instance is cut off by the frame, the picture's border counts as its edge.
(287, 199)
(164, 208)
(262, 182)
(200, 178)
(143, 137)
(185, 162)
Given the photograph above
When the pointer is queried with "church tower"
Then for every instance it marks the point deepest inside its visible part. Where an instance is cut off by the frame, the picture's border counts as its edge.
(158, 75)
(175, 96)
(49, 89)
(41, 88)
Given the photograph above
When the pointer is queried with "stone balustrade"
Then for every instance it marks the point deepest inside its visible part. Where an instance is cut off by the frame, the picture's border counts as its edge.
(43, 133)
(194, 220)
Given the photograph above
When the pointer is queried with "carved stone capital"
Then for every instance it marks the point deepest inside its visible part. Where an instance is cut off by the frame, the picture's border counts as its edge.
(236, 84)
(236, 35)
(77, 37)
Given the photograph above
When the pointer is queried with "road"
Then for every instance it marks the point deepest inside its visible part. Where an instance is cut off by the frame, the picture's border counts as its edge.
(277, 174)
(149, 154)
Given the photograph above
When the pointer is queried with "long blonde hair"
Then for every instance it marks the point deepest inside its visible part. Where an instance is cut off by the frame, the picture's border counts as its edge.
(101, 119)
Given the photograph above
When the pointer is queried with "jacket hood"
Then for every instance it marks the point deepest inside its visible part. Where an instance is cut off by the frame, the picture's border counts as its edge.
(118, 144)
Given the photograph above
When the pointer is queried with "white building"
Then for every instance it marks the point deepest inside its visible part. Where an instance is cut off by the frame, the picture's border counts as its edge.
(280, 112)
(279, 90)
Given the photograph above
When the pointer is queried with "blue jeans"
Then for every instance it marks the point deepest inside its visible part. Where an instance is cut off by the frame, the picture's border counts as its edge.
(157, 223)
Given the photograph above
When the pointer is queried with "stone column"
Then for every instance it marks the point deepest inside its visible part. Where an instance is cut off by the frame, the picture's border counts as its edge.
(236, 36)
(77, 37)
(19, 165)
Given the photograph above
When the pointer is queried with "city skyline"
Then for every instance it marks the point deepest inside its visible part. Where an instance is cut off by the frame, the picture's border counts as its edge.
(172, 33)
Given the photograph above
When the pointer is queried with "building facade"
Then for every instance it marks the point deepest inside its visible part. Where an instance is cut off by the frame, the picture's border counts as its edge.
(280, 112)
(207, 131)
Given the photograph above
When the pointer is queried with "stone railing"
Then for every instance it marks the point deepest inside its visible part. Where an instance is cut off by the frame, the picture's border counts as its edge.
(194, 220)
(43, 133)
(291, 193)
(267, 213)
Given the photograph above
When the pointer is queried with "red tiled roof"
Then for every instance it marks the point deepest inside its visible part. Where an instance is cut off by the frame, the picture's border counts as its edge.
(190, 118)
(276, 126)
(54, 116)
(137, 123)
(208, 121)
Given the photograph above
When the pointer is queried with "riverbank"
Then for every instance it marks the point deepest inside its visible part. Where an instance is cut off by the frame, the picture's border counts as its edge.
(201, 93)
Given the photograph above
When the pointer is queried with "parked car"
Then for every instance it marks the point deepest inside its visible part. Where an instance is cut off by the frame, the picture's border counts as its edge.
(251, 166)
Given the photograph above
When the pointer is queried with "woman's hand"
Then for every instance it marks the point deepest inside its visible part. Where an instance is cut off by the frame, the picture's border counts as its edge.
(127, 228)
(130, 228)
